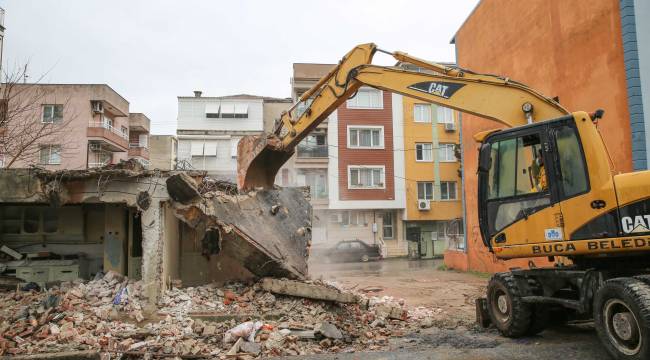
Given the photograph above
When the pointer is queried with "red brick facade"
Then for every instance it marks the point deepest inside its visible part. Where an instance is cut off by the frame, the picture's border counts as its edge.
(384, 157)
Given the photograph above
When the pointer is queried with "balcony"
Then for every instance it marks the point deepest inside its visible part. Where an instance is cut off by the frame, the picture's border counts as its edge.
(138, 150)
(312, 151)
(109, 137)
(139, 122)
(93, 165)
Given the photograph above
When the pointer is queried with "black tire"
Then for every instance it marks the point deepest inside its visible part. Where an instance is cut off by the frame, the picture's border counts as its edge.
(629, 300)
(512, 317)
(539, 320)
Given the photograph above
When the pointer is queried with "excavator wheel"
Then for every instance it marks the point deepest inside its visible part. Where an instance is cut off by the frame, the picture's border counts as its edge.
(622, 318)
(539, 320)
(508, 312)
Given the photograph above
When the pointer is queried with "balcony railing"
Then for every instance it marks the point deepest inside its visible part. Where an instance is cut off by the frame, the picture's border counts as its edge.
(92, 165)
(138, 145)
(107, 126)
(312, 151)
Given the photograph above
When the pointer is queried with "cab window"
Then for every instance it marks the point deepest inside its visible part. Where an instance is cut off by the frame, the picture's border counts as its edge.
(517, 168)
(517, 185)
(572, 166)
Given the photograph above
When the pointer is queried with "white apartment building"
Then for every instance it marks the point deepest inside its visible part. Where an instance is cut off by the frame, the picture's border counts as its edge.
(209, 129)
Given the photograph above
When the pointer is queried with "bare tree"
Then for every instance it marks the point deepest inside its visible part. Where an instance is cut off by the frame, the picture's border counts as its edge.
(27, 122)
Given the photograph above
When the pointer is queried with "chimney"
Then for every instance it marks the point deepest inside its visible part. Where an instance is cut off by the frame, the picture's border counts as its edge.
(197, 93)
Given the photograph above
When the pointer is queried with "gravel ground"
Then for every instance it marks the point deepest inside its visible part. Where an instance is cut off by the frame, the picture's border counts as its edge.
(420, 283)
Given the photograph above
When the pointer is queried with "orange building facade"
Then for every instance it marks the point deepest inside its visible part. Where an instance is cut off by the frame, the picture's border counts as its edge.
(572, 50)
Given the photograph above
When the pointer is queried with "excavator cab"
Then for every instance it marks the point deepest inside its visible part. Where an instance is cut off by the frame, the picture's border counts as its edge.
(524, 173)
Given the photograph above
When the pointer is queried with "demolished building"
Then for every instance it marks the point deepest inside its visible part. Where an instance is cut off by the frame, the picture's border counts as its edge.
(158, 227)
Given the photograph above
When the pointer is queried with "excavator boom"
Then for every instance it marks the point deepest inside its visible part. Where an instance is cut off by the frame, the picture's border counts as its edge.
(500, 99)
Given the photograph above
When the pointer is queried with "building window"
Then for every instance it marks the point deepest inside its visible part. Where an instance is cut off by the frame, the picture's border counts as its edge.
(234, 111)
(52, 113)
(366, 177)
(316, 180)
(423, 152)
(425, 190)
(366, 137)
(422, 113)
(388, 225)
(367, 98)
(446, 152)
(352, 218)
(125, 131)
(29, 220)
(445, 115)
(107, 121)
(313, 146)
(448, 190)
(50, 154)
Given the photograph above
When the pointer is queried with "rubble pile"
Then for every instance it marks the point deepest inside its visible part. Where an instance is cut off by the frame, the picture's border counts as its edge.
(233, 321)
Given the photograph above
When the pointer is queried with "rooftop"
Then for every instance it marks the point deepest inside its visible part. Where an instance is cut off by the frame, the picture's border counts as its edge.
(311, 71)
(239, 97)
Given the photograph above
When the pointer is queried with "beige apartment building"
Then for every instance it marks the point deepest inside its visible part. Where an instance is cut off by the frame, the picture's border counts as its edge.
(163, 150)
(89, 126)
(308, 166)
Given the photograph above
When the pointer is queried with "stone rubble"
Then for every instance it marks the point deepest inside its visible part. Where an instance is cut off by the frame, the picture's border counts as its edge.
(108, 315)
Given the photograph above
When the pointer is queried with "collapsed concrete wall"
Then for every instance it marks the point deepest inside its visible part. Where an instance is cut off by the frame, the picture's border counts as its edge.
(267, 231)
(260, 233)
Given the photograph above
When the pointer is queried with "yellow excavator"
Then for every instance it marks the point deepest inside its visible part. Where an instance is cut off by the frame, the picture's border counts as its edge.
(545, 190)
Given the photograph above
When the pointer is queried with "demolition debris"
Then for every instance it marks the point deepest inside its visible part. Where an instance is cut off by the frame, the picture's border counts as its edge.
(271, 317)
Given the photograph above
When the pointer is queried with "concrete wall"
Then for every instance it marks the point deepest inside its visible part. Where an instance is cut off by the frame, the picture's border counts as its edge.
(196, 268)
(162, 152)
(172, 245)
(570, 49)
(273, 111)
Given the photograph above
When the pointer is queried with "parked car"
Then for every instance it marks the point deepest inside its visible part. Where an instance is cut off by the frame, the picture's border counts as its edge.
(354, 250)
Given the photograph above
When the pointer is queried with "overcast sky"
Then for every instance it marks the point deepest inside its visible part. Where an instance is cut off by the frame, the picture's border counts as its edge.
(153, 51)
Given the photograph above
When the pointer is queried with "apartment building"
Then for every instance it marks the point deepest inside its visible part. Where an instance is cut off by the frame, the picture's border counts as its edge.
(87, 126)
(308, 165)
(351, 165)
(433, 188)
(433, 216)
(367, 187)
(163, 151)
(209, 129)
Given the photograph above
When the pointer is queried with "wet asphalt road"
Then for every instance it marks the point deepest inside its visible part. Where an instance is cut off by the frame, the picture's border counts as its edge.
(563, 343)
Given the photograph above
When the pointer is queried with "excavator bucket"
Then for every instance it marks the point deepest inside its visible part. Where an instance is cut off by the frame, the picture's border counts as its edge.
(259, 158)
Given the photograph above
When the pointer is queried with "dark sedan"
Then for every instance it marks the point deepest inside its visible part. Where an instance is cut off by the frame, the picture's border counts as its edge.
(354, 250)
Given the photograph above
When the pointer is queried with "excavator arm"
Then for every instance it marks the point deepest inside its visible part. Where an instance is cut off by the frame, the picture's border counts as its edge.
(500, 99)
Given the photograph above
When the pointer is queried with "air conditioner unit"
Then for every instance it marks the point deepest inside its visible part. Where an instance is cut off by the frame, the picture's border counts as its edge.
(98, 107)
(95, 147)
(450, 127)
(424, 205)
